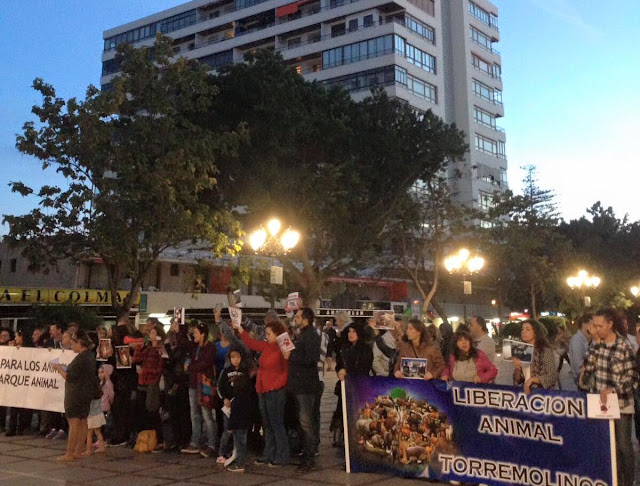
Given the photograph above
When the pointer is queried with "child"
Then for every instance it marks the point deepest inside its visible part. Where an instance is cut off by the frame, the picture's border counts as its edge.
(235, 389)
(99, 407)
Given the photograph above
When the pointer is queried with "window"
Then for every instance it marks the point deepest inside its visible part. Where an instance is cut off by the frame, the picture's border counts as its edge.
(111, 66)
(337, 30)
(214, 15)
(217, 60)
(421, 59)
(135, 35)
(174, 270)
(422, 89)
(420, 28)
(503, 177)
(484, 117)
(314, 37)
(179, 21)
(291, 43)
(482, 65)
(353, 25)
(497, 71)
(490, 146)
(481, 39)
(483, 16)
(485, 200)
(358, 51)
(368, 20)
(366, 79)
(485, 92)
(13, 265)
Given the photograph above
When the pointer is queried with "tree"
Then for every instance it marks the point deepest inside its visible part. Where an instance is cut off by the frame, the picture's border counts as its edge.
(335, 169)
(140, 166)
(427, 222)
(526, 250)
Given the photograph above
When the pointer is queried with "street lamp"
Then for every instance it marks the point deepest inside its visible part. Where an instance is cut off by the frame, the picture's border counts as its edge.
(635, 290)
(463, 263)
(583, 281)
(274, 242)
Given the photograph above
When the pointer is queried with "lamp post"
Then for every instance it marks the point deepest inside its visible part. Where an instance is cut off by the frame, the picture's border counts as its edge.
(583, 281)
(274, 242)
(635, 291)
(463, 263)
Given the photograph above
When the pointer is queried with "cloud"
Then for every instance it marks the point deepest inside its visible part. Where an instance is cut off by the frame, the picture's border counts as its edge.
(565, 11)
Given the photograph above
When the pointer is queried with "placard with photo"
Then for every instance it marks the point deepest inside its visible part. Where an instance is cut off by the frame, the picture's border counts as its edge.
(178, 315)
(413, 368)
(123, 357)
(517, 349)
(383, 320)
(105, 350)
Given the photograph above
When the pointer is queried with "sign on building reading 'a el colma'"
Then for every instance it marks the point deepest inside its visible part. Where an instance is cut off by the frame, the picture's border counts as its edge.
(37, 295)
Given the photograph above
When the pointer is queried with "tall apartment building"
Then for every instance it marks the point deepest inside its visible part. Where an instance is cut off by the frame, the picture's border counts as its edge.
(435, 54)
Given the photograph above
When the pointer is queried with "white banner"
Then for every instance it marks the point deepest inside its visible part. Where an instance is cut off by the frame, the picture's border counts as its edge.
(27, 379)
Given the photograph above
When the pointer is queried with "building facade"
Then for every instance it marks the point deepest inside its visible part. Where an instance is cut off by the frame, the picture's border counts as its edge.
(437, 55)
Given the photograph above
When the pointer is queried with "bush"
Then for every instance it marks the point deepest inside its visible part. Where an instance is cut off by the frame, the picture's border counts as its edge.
(553, 324)
(45, 315)
(511, 330)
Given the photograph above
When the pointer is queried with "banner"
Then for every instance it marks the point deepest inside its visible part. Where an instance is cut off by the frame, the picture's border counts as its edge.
(489, 434)
(27, 379)
(33, 295)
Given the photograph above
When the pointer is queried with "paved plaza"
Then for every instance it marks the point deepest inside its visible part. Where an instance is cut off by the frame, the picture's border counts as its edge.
(25, 460)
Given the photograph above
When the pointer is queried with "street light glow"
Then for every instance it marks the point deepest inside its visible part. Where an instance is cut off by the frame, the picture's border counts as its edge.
(274, 226)
(583, 280)
(257, 239)
(635, 290)
(458, 262)
(289, 239)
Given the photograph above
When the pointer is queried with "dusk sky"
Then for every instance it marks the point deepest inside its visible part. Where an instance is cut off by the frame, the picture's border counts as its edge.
(570, 71)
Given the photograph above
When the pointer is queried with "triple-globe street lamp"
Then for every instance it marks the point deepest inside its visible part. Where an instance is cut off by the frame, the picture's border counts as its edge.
(582, 282)
(465, 264)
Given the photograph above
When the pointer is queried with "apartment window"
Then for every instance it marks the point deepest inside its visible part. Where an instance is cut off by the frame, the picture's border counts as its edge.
(366, 79)
(481, 39)
(483, 16)
(174, 270)
(178, 22)
(353, 25)
(135, 35)
(291, 43)
(337, 30)
(497, 71)
(420, 28)
(215, 61)
(13, 265)
(490, 146)
(358, 51)
(484, 117)
(421, 59)
(422, 89)
(486, 92)
(368, 20)
(503, 177)
(214, 15)
(314, 37)
(485, 200)
(482, 65)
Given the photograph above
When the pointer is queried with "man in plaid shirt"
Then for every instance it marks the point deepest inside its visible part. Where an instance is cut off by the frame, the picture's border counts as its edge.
(612, 362)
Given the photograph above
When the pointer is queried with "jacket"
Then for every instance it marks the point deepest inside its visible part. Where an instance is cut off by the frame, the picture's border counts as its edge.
(485, 369)
(273, 369)
(355, 359)
(203, 360)
(435, 361)
(235, 385)
(303, 363)
(151, 364)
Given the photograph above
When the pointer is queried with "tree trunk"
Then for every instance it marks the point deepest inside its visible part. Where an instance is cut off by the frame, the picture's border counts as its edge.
(441, 312)
(532, 291)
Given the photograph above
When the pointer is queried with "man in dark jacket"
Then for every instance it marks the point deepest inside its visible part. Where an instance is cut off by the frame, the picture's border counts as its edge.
(304, 382)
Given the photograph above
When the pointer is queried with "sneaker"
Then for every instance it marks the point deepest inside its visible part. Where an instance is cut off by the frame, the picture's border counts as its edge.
(221, 460)
(235, 468)
(60, 435)
(274, 464)
(190, 450)
(51, 434)
(208, 452)
(260, 462)
(229, 461)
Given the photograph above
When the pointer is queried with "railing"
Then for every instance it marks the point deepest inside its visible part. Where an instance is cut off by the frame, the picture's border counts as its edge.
(490, 74)
(490, 49)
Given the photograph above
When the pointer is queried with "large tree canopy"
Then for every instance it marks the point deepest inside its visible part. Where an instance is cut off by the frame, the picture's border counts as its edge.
(334, 169)
(141, 169)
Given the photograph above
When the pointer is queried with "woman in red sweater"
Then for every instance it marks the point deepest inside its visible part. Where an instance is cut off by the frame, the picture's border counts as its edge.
(467, 363)
(271, 381)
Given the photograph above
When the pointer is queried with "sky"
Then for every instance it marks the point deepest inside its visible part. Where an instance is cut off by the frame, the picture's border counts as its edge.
(570, 70)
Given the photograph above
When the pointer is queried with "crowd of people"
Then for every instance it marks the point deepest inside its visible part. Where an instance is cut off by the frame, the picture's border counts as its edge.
(217, 390)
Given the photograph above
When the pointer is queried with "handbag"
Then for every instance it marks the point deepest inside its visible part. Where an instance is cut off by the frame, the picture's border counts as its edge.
(586, 381)
(207, 392)
(147, 441)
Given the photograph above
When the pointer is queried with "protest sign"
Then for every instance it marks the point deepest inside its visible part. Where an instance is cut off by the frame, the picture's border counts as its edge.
(28, 380)
(517, 349)
(236, 317)
(285, 343)
(413, 368)
(472, 433)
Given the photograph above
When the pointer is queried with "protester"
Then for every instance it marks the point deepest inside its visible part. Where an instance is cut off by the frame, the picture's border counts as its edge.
(80, 388)
(106, 401)
(446, 343)
(611, 362)
(542, 373)
(324, 343)
(201, 369)
(419, 345)
(468, 363)
(303, 383)
(382, 354)
(149, 357)
(271, 382)
(19, 418)
(579, 346)
(235, 390)
(482, 341)
(331, 334)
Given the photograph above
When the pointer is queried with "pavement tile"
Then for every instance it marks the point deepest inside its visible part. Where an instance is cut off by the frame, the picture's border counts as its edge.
(30, 481)
(9, 459)
(8, 446)
(133, 480)
(333, 476)
(31, 466)
(71, 472)
(33, 452)
(177, 471)
(117, 466)
(235, 479)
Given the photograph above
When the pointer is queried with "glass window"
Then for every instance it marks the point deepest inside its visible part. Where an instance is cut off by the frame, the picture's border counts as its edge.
(353, 25)
(400, 45)
(480, 38)
(368, 20)
(484, 117)
(420, 28)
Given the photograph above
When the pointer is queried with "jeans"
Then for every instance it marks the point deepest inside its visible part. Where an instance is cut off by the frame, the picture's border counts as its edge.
(624, 450)
(306, 411)
(225, 440)
(240, 441)
(201, 416)
(276, 445)
(316, 414)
